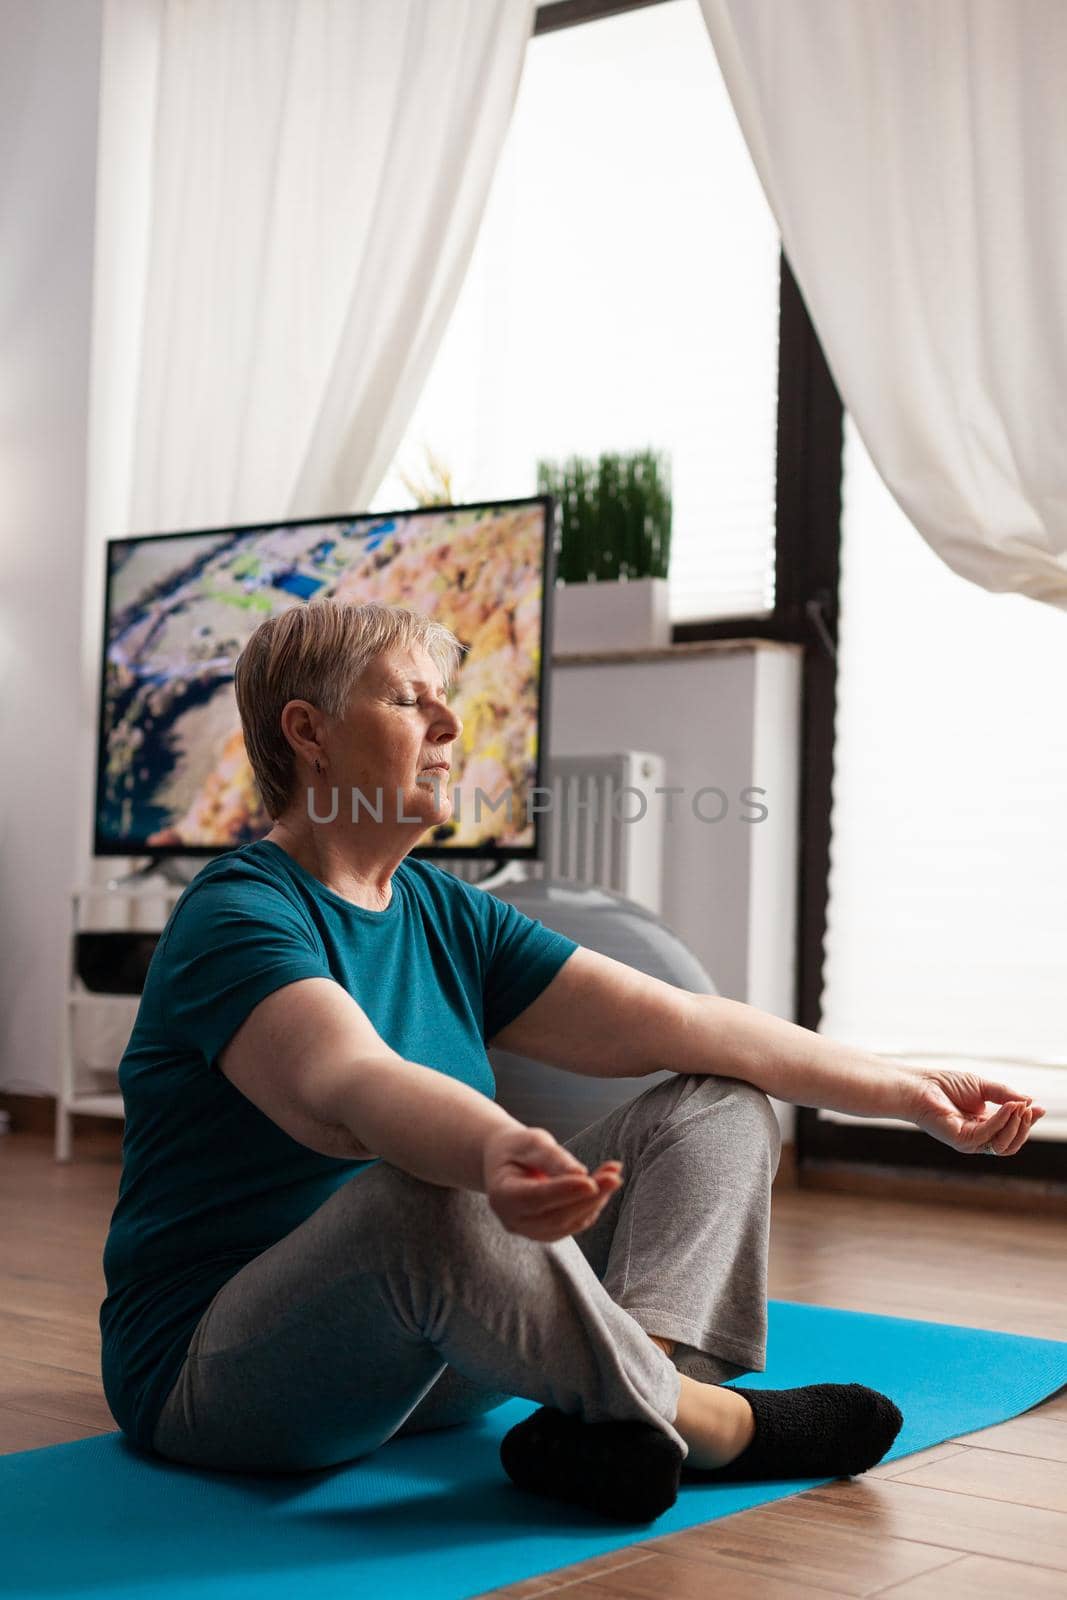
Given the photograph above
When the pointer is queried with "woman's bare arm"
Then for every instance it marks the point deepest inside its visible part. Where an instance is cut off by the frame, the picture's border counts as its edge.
(309, 1058)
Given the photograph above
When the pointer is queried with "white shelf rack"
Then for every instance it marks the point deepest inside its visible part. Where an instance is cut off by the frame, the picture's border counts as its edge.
(126, 909)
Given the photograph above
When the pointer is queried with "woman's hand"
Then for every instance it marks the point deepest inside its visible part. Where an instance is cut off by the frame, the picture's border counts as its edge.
(951, 1106)
(538, 1189)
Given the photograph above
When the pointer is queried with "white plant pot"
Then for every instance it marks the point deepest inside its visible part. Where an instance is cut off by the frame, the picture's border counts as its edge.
(624, 614)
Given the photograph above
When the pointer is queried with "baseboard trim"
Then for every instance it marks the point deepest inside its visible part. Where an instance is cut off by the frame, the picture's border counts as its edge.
(36, 1114)
(987, 1192)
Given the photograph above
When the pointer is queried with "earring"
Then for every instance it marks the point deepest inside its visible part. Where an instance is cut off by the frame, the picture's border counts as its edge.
(317, 767)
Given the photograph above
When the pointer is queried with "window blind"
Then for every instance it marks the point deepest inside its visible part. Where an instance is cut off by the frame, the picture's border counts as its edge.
(623, 293)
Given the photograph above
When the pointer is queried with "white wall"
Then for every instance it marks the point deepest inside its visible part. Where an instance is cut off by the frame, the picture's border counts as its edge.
(49, 77)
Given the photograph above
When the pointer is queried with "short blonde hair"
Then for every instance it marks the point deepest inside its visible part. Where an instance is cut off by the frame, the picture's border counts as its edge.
(318, 652)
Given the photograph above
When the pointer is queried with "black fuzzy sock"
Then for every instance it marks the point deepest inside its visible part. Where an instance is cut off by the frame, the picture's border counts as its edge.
(626, 1470)
(824, 1430)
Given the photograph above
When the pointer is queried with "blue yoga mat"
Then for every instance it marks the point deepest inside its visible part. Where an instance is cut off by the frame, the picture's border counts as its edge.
(434, 1515)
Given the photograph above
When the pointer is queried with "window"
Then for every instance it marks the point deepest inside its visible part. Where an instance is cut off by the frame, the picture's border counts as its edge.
(623, 293)
(946, 929)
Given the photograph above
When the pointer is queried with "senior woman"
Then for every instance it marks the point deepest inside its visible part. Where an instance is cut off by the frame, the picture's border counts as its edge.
(327, 1232)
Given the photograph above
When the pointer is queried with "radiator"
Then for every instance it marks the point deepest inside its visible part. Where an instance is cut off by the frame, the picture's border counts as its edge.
(604, 826)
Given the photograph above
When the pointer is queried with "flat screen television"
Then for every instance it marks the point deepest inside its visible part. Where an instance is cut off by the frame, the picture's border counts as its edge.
(173, 778)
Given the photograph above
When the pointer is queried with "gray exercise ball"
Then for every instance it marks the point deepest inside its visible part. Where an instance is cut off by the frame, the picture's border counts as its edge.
(565, 1102)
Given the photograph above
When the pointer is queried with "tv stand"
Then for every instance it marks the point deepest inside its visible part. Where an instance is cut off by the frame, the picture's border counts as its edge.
(165, 867)
(506, 872)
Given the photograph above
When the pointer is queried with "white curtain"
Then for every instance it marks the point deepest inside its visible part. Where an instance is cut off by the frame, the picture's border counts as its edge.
(915, 158)
(312, 174)
(946, 937)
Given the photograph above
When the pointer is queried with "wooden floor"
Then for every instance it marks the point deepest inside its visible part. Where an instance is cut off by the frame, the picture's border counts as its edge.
(984, 1516)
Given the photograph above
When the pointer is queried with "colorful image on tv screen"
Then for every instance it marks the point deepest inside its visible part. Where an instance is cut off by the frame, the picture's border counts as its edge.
(173, 770)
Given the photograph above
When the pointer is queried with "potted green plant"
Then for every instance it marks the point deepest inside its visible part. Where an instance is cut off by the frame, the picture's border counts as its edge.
(611, 583)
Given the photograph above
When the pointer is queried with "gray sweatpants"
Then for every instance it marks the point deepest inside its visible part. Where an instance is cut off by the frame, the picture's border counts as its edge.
(400, 1306)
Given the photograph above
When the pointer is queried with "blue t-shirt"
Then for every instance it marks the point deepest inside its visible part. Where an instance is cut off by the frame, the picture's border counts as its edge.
(208, 1180)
